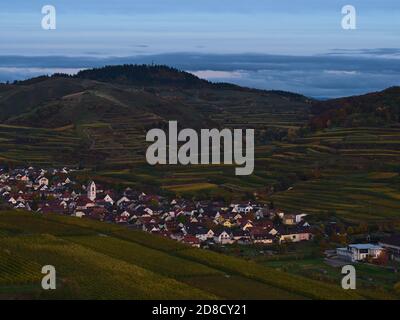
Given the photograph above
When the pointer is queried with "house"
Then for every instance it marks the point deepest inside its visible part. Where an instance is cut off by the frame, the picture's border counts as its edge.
(244, 208)
(294, 234)
(228, 224)
(359, 252)
(223, 237)
(289, 219)
(264, 224)
(108, 199)
(392, 246)
(84, 203)
(79, 214)
(300, 217)
(191, 240)
(122, 200)
(148, 211)
(246, 225)
(263, 238)
(210, 234)
(241, 235)
(43, 181)
(199, 231)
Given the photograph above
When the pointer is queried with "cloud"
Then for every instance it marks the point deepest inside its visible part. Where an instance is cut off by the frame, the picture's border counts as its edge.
(341, 72)
(18, 73)
(377, 52)
(218, 75)
(322, 76)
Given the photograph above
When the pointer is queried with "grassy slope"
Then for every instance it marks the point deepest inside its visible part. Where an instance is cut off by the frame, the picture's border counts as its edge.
(98, 260)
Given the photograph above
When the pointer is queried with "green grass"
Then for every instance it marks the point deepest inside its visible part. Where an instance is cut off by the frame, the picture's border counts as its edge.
(104, 261)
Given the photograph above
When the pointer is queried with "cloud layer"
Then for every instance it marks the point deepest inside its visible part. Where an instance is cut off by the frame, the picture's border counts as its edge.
(322, 76)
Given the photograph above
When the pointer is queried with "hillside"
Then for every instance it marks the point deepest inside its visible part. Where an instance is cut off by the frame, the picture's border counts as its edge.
(56, 102)
(96, 260)
(348, 170)
(373, 109)
(104, 113)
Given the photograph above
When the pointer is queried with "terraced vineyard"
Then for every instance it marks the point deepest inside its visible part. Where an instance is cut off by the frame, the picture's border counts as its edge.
(353, 173)
(103, 261)
(356, 173)
(33, 145)
(350, 171)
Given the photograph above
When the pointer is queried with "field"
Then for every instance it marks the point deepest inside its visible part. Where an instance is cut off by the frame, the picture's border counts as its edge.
(102, 261)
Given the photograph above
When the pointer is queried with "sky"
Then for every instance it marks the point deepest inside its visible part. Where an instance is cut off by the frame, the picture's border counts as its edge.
(100, 29)
(130, 27)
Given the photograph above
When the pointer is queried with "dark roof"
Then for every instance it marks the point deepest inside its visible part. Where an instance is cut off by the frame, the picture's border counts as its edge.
(263, 236)
(218, 233)
(196, 229)
(287, 230)
(240, 233)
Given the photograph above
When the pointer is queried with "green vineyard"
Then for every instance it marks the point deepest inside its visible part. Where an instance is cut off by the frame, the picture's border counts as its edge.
(96, 260)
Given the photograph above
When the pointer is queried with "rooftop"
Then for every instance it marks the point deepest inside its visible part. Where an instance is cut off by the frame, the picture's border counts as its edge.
(365, 246)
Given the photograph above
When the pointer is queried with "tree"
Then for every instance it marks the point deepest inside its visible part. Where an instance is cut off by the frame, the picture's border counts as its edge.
(382, 259)
(271, 205)
(154, 203)
(277, 220)
(181, 219)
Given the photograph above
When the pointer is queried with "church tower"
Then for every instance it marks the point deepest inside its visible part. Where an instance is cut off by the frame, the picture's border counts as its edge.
(91, 191)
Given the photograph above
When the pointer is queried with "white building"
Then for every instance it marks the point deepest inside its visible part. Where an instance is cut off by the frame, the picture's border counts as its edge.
(359, 252)
(108, 199)
(91, 191)
(43, 181)
(223, 238)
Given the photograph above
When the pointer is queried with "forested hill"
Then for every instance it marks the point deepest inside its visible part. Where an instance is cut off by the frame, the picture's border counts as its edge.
(142, 75)
(372, 109)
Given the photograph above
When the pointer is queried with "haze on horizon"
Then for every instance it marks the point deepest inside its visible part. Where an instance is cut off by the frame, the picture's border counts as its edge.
(125, 28)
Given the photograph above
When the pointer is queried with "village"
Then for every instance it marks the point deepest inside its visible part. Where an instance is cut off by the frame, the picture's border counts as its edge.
(196, 223)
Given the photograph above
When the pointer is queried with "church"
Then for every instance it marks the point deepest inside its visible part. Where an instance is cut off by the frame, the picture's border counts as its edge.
(91, 191)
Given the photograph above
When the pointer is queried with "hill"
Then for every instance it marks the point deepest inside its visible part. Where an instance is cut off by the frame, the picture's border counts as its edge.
(96, 260)
(103, 114)
(373, 109)
(144, 75)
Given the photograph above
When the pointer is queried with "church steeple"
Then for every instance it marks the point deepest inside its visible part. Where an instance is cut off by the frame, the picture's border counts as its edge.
(91, 191)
